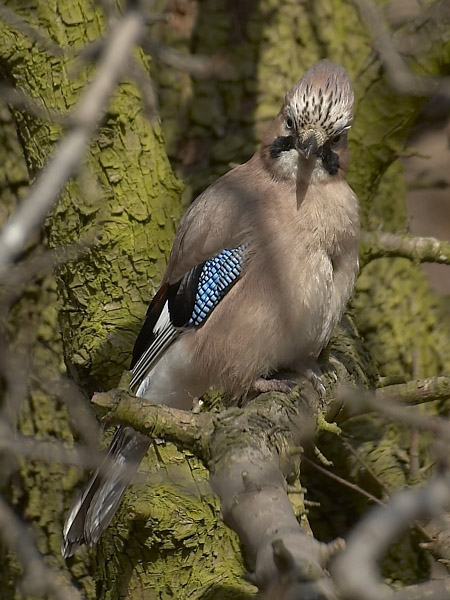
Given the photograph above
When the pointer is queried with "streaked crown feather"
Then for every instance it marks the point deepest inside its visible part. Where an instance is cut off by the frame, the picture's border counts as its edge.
(322, 98)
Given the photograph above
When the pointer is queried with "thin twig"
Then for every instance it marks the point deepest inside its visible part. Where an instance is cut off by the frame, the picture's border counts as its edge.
(39, 579)
(416, 392)
(343, 481)
(422, 531)
(381, 244)
(15, 21)
(37, 264)
(18, 99)
(68, 155)
(201, 67)
(12, 362)
(355, 570)
(80, 411)
(399, 75)
(408, 415)
(48, 451)
(144, 83)
(363, 463)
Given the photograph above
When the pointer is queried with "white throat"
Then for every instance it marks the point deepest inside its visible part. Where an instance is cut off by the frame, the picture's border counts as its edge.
(293, 166)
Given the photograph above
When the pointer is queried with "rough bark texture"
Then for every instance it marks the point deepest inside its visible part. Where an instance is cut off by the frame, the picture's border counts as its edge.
(168, 540)
(37, 491)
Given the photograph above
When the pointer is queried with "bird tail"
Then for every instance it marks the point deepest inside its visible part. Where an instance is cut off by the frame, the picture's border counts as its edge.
(97, 503)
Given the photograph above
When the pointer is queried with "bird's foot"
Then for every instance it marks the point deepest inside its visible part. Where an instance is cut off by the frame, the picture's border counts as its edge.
(316, 381)
(260, 386)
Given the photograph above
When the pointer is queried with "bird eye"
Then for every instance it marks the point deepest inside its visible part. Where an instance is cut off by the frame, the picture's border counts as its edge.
(289, 123)
(336, 139)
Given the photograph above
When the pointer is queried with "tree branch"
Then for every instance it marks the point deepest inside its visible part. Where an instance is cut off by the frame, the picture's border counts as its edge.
(416, 392)
(355, 570)
(200, 67)
(400, 76)
(247, 452)
(381, 244)
(184, 429)
(68, 154)
(386, 401)
(14, 20)
(39, 579)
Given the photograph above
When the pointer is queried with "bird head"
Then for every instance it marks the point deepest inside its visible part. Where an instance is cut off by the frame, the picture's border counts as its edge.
(312, 124)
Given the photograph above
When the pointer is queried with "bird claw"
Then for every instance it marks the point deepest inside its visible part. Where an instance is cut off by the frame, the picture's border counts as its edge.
(316, 381)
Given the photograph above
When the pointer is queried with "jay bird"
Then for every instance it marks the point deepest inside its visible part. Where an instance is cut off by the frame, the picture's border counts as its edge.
(261, 269)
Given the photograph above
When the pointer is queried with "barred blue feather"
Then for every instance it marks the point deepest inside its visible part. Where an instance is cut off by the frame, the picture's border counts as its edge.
(217, 275)
(193, 300)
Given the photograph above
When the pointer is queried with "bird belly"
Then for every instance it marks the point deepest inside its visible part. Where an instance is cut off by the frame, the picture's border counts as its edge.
(266, 323)
(306, 317)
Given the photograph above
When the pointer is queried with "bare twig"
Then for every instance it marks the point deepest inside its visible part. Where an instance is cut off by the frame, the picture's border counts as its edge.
(20, 100)
(355, 570)
(400, 76)
(48, 451)
(198, 66)
(364, 464)
(397, 400)
(37, 264)
(12, 362)
(82, 419)
(343, 481)
(422, 531)
(145, 85)
(358, 403)
(39, 579)
(381, 244)
(68, 155)
(414, 466)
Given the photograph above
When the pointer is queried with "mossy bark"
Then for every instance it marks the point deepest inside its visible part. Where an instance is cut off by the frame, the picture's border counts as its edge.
(168, 540)
(128, 199)
(38, 492)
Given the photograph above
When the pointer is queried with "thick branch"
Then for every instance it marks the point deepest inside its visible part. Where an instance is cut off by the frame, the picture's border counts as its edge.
(185, 429)
(247, 452)
(416, 392)
(380, 244)
(248, 465)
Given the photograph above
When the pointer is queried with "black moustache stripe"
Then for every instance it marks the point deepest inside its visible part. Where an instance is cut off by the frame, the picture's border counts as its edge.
(283, 143)
(330, 160)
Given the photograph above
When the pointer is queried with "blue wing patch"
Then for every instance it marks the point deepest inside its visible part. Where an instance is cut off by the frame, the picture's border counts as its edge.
(187, 303)
(216, 277)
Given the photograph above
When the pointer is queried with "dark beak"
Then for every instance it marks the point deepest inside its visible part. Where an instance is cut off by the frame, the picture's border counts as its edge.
(308, 146)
